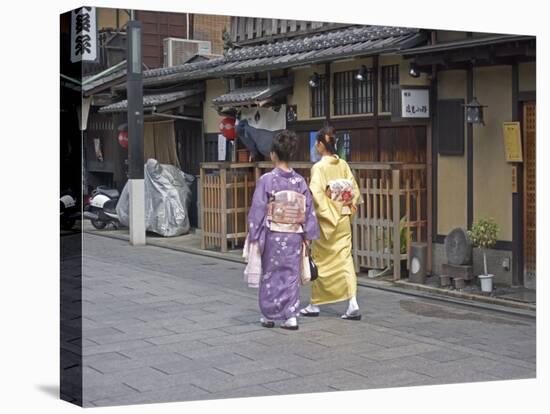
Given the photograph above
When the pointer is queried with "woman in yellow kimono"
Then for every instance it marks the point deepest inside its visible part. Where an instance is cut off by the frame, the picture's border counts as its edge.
(332, 252)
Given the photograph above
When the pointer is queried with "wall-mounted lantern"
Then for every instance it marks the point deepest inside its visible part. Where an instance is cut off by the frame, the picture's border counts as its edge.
(361, 74)
(414, 71)
(314, 80)
(474, 112)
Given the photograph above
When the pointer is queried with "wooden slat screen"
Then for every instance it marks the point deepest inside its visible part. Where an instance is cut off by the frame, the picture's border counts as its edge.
(530, 217)
(389, 77)
(319, 100)
(394, 198)
(352, 96)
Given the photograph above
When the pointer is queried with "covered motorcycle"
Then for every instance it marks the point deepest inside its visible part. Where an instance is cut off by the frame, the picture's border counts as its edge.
(167, 199)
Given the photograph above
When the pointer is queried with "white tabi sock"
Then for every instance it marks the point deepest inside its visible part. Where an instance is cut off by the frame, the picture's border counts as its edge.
(353, 305)
(312, 308)
(291, 322)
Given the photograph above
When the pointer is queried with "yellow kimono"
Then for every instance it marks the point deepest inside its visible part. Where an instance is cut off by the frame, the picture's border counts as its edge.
(332, 251)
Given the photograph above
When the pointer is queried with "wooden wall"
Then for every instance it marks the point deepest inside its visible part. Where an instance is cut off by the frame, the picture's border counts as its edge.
(396, 142)
(156, 27)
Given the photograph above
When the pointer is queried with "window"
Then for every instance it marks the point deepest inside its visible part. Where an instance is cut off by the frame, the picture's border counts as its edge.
(390, 77)
(352, 96)
(319, 99)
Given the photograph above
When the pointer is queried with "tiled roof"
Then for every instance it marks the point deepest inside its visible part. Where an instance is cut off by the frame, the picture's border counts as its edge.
(323, 47)
(150, 101)
(88, 87)
(250, 95)
(466, 43)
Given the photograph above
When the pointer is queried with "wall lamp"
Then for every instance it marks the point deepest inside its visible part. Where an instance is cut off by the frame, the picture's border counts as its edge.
(314, 80)
(361, 74)
(414, 71)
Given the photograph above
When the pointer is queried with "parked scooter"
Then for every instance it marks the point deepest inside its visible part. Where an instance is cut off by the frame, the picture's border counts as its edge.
(69, 211)
(101, 209)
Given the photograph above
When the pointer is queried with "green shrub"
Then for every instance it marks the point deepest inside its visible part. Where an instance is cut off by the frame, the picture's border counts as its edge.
(484, 234)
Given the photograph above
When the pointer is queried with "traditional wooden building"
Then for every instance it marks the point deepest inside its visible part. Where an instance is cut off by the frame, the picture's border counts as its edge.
(398, 99)
(472, 177)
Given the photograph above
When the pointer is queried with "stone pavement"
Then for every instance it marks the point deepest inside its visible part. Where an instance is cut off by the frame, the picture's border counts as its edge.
(161, 325)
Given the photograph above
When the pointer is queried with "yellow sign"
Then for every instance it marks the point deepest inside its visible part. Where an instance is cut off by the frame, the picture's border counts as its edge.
(512, 141)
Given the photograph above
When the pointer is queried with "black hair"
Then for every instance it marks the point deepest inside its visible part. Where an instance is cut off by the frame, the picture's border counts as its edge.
(284, 144)
(327, 137)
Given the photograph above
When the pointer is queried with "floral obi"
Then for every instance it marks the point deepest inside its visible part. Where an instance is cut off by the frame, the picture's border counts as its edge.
(286, 212)
(342, 191)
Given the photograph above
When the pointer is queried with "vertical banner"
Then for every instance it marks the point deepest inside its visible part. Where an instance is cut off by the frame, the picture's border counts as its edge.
(222, 147)
(83, 34)
(343, 145)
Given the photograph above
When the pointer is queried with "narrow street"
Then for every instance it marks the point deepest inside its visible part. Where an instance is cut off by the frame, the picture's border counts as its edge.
(161, 325)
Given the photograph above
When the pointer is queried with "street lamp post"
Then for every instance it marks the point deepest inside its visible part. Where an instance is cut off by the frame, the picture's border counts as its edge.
(134, 94)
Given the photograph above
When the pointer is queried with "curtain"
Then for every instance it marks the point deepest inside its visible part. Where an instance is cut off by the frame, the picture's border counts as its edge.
(160, 142)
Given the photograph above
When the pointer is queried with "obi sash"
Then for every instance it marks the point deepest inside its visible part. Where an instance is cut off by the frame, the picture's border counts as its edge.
(286, 212)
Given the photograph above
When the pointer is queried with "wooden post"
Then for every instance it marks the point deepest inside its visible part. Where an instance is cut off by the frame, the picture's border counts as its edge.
(375, 109)
(355, 229)
(396, 220)
(429, 201)
(203, 214)
(328, 105)
(223, 208)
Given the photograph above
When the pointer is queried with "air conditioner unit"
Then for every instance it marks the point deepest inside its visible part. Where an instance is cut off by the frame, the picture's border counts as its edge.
(178, 51)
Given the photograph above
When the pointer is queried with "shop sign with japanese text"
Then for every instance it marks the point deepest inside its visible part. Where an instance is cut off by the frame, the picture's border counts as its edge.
(415, 103)
(83, 34)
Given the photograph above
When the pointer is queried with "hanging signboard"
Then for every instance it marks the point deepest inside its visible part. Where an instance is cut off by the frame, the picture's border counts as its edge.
(415, 103)
(512, 141)
(83, 34)
(222, 147)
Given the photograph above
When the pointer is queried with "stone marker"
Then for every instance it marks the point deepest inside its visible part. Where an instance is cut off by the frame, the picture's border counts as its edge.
(458, 247)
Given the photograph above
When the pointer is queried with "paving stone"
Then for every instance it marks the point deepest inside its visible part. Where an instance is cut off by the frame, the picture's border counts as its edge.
(115, 347)
(400, 351)
(180, 393)
(444, 355)
(127, 364)
(183, 365)
(98, 392)
(239, 381)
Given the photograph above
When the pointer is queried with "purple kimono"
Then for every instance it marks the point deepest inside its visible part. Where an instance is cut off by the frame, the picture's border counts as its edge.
(279, 293)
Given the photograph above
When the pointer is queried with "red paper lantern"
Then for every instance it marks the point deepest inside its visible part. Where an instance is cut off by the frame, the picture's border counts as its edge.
(227, 128)
(123, 139)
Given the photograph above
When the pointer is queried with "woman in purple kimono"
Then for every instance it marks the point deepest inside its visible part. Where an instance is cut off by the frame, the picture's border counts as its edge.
(281, 251)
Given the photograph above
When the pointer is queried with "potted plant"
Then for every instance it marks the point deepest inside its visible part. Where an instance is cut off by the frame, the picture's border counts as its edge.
(484, 235)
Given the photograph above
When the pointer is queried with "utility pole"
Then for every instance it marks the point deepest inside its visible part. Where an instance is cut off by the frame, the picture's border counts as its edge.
(134, 94)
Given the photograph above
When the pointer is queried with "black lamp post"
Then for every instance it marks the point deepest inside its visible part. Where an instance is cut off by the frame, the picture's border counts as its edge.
(134, 94)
